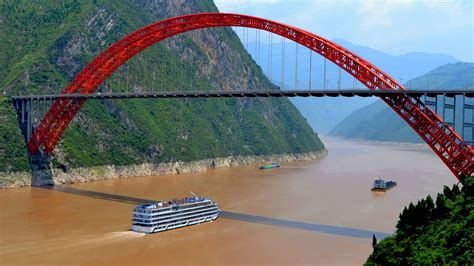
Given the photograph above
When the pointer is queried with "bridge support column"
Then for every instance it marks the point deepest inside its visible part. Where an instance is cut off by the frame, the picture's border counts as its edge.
(22, 111)
(443, 103)
(463, 112)
(449, 106)
(44, 106)
(468, 124)
(28, 120)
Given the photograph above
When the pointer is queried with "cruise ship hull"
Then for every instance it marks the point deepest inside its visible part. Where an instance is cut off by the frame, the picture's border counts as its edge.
(161, 216)
(156, 229)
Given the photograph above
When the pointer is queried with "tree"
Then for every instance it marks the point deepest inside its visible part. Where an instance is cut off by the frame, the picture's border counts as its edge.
(374, 241)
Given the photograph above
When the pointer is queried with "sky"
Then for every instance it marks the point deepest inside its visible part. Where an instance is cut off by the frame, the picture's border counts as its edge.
(393, 26)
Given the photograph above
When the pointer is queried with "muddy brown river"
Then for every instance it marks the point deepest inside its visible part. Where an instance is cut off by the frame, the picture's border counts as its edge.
(318, 212)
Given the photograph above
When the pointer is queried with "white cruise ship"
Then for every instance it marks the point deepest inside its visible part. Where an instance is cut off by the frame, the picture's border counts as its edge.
(162, 216)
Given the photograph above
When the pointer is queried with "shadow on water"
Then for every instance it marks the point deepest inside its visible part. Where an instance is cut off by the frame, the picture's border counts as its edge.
(321, 228)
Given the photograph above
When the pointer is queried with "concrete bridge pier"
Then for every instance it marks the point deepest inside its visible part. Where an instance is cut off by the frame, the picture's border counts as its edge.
(41, 170)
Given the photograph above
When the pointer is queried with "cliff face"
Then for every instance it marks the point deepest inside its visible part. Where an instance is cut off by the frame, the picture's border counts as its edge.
(49, 43)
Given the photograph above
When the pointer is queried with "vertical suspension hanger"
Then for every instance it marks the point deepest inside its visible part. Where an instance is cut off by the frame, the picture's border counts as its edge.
(339, 79)
(175, 72)
(282, 63)
(193, 73)
(181, 70)
(247, 41)
(111, 82)
(243, 36)
(153, 67)
(185, 80)
(127, 78)
(162, 62)
(296, 66)
(119, 89)
(310, 68)
(137, 63)
(258, 46)
(324, 75)
(144, 57)
(271, 57)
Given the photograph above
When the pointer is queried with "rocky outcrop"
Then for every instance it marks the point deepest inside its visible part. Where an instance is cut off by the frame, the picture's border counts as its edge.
(65, 176)
(15, 179)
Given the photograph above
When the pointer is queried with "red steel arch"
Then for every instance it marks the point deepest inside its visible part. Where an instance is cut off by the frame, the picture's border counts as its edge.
(444, 141)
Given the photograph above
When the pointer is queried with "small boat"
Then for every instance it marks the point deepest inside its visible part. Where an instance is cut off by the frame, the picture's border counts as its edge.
(270, 166)
(381, 185)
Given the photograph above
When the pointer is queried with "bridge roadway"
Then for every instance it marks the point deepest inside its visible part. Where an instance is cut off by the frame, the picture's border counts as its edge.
(249, 93)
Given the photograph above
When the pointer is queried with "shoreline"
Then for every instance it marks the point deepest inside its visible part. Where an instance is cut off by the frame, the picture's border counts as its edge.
(105, 172)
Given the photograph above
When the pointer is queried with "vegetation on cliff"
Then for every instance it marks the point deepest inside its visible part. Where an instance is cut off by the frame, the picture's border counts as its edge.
(432, 233)
(48, 43)
(16, 158)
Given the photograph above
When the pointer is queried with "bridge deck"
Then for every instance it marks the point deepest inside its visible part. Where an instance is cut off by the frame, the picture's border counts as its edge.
(247, 93)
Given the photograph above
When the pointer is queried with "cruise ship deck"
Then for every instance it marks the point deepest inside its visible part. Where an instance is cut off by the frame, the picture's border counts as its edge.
(162, 216)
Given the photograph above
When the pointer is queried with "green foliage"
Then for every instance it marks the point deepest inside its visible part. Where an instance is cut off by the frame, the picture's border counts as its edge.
(432, 234)
(13, 155)
(29, 28)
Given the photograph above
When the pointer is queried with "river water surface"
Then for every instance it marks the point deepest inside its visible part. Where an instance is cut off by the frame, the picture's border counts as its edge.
(318, 212)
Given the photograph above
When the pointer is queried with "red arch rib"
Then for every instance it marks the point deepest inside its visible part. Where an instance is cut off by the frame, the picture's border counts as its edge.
(444, 141)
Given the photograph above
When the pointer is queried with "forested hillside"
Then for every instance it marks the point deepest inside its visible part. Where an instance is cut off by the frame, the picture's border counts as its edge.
(45, 44)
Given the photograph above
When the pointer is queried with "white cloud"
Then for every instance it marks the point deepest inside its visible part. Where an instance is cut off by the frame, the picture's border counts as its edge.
(396, 26)
(233, 6)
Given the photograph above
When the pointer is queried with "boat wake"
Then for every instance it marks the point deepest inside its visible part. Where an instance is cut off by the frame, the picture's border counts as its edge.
(57, 244)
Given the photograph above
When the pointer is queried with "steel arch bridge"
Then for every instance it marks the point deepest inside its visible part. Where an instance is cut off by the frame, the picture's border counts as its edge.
(442, 139)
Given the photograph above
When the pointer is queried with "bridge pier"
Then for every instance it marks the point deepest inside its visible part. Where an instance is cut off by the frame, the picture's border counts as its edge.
(41, 170)
(22, 111)
(28, 116)
(468, 123)
(28, 120)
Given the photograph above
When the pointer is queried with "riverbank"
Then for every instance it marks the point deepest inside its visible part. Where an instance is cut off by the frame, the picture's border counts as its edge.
(104, 172)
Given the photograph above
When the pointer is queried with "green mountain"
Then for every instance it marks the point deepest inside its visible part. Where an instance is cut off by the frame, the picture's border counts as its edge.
(45, 44)
(378, 122)
(432, 233)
